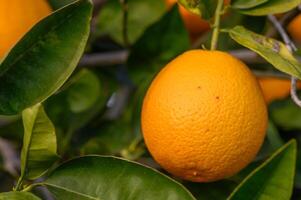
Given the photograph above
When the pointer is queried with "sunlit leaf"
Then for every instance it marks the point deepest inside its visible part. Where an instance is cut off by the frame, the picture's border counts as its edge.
(39, 143)
(271, 7)
(18, 196)
(273, 51)
(244, 4)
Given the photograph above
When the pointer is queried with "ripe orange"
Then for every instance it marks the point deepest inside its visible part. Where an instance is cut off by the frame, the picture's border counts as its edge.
(275, 88)
(194, 24)
(204, 117)
(294, 28)
(17, 17)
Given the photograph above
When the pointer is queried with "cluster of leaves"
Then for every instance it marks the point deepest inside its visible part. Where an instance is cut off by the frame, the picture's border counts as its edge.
(97, 110)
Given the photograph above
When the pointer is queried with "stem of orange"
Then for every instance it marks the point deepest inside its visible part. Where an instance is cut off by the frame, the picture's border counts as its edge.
(216, 25)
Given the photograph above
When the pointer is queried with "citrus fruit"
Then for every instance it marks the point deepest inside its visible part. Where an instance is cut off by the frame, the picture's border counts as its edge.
(294, 28)
(275, 88)
(18, 17)
(204, 117)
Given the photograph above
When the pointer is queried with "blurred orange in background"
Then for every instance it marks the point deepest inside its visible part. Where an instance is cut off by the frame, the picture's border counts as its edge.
(18, 17)
(294, 28)
(275, 88)
(193, 23)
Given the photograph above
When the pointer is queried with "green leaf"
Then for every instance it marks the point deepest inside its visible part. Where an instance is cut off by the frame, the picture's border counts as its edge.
(43, 60)
(56, 4)
(39, 143)
(273, 179)
(18, 196)
(273, 51)
(271, 7)
(158, 45)
(203, 8)
(286, 114)
(141, 14)
(84, 92)
(112, 178)
(243, 4)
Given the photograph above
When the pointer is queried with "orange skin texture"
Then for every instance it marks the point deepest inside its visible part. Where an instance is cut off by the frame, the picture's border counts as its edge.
(204, 117)
(19, 16)
(275, 88)
(193, 23)
(294, 28)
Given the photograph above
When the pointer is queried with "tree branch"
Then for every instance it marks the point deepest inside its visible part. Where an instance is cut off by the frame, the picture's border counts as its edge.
(291, 46)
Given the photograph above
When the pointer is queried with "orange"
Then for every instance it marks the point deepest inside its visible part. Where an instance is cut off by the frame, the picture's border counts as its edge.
(275, 88)
(193, 23)
(17, 17)
(294, 28)
(204, 117)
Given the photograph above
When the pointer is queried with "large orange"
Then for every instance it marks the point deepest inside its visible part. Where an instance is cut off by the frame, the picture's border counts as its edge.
(194, 24)
(204, 117)
(275, 88)
(294, 28)
(17, 17)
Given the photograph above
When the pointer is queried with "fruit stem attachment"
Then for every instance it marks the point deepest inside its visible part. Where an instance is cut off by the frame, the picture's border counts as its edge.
(216, 24)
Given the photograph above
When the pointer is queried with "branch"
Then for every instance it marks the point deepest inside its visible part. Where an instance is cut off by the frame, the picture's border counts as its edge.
(104, 59)
(10, 157)
(291, 46)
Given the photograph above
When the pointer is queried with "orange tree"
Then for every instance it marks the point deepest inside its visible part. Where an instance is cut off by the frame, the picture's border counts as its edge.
(113, 100)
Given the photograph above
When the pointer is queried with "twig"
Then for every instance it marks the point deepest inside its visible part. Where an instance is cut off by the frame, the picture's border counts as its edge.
(10, 157)
(104, 59)
(270, 73)
(291, 46)
(284, 21)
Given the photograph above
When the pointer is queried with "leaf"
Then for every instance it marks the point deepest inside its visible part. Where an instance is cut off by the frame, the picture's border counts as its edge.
(39, 143)
(84, 92)
(18, 196)
(271, 7)
(56, 4)
(273, 179)
(286, 114)
(112, 178)
(43, 60)
(273, 51)
(203, 8)
(158, 45)
(243, 4)
(141, 14)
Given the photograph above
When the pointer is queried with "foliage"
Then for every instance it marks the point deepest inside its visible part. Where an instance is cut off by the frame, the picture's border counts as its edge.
(62, 109)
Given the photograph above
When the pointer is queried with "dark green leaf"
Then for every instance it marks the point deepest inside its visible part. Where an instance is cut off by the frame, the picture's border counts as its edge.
(273, 179)
(271, 7)
(84, 92)
(158, 45)
(286, 114)
(141, 14)
(18, 196)
(203, 8)
(273, 51)
(112, 178)
(39, 143)
(56, 4)
(43, 60)
(244, 4)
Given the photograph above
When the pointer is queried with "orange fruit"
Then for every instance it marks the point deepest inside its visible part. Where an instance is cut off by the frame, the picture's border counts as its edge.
(17, 17)
(275, 88)
(294, 28)
(204, 117)
(193, 23)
